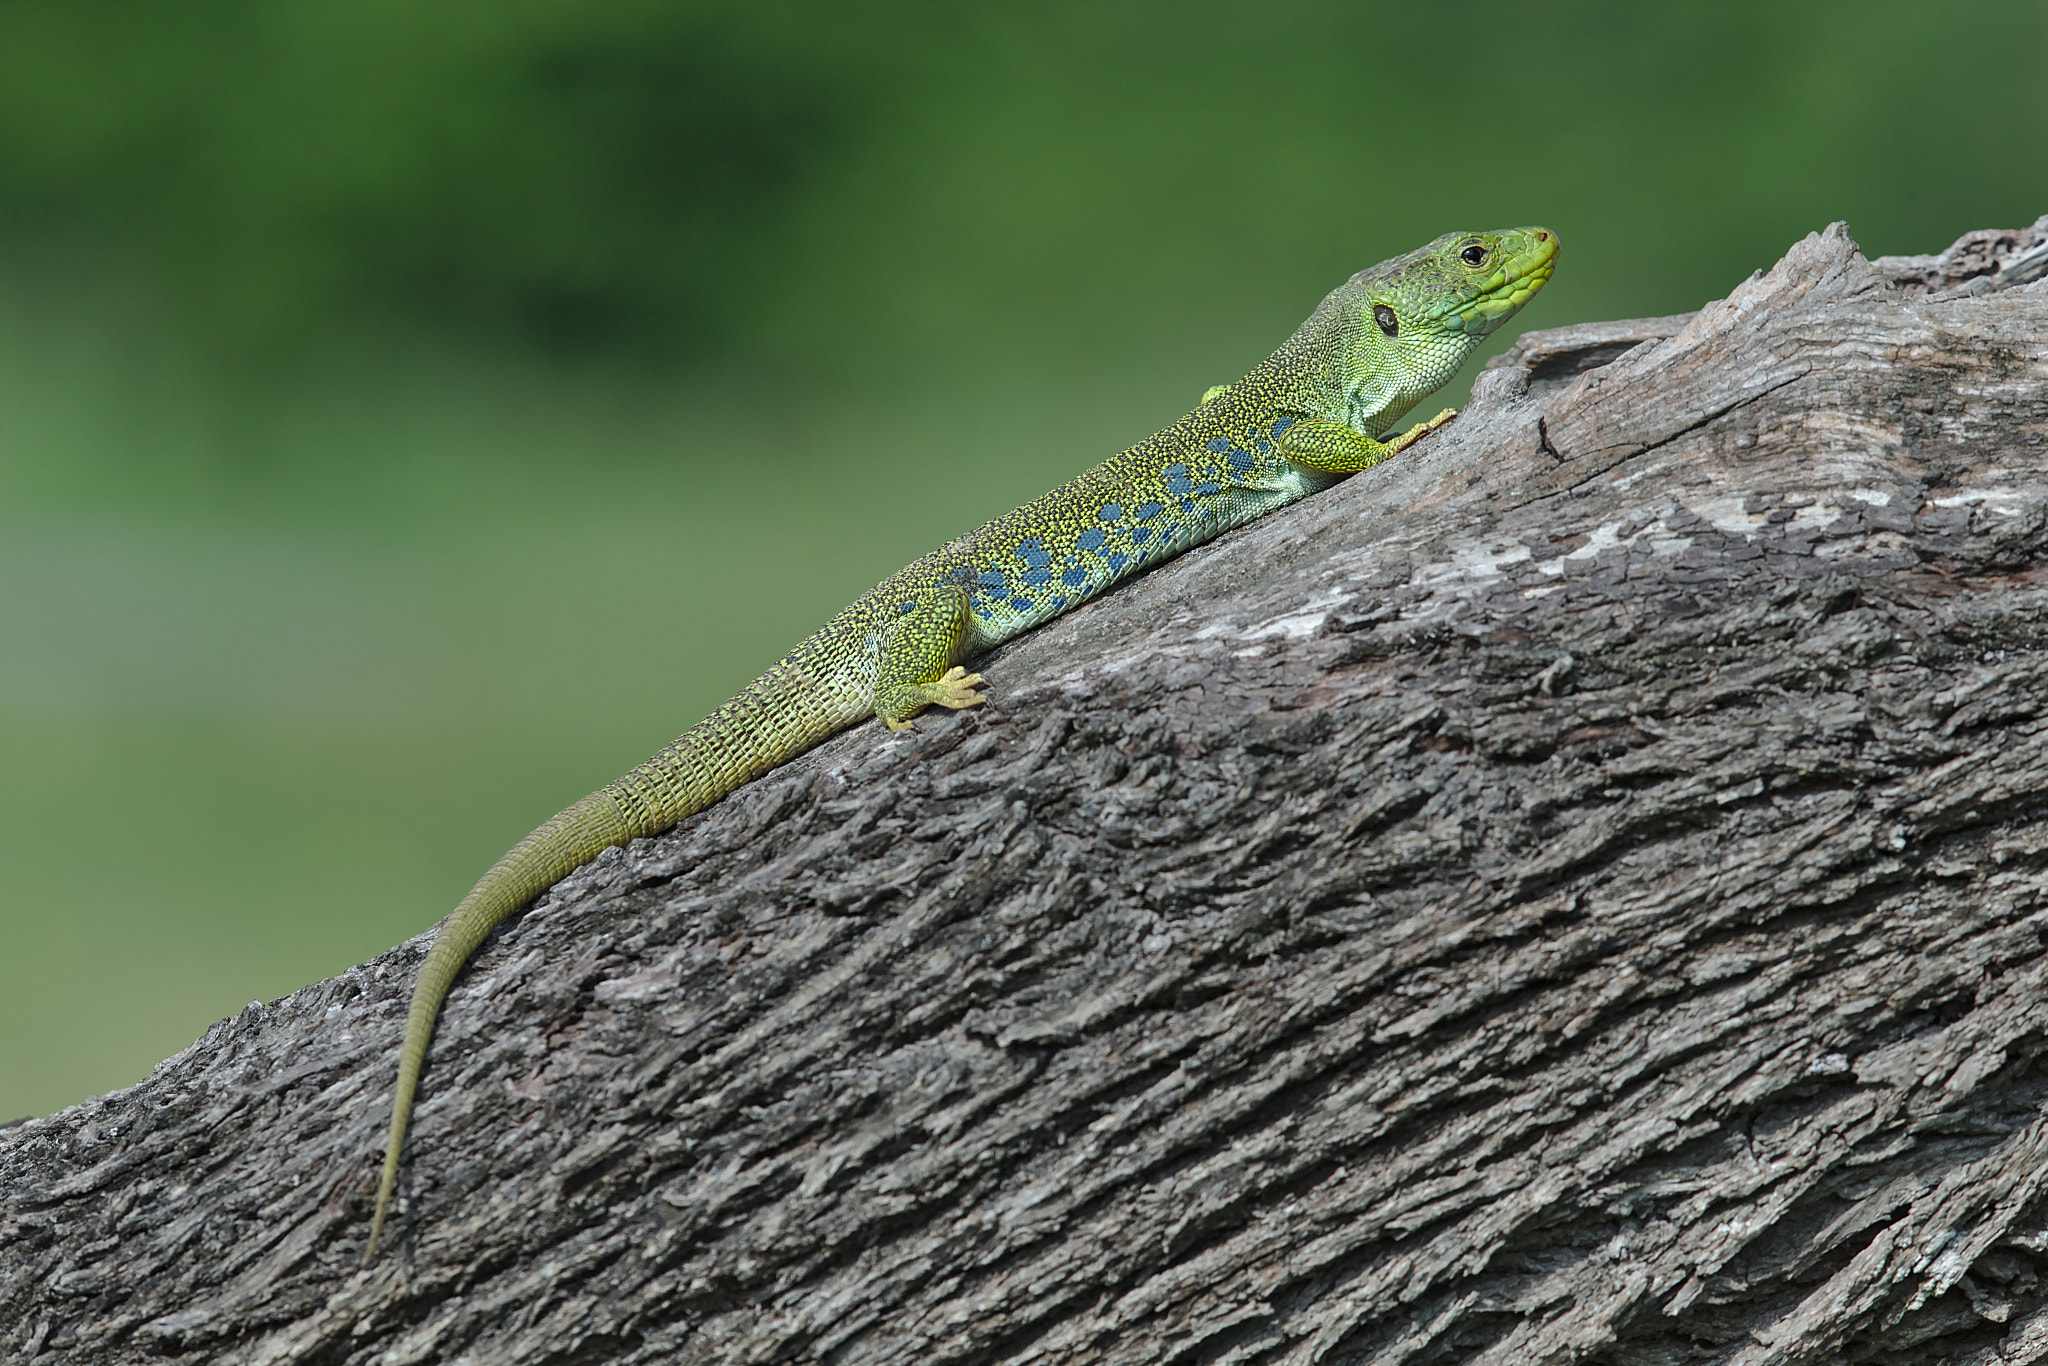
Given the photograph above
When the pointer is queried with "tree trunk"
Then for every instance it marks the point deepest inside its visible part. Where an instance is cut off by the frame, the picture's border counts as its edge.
(1577, 893)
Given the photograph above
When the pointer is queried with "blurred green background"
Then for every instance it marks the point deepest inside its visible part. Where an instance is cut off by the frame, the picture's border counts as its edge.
(414, 413)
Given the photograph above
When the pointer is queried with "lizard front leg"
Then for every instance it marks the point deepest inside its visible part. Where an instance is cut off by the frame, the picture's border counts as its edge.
(917, 669)
(1333, 448)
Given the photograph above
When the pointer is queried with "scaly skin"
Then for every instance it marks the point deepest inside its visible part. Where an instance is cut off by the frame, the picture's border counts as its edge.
(1306, 417)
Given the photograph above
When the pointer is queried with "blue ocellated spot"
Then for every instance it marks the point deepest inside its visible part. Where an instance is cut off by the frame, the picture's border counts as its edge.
(1187, 505)
(1021, 604)
(1264, 445)
(1177, 481)
(1150, 510)
(1208, 488)
(906, 607)
(1282, 425)
(1240, 460)
(993, 581)
(1117, 560)
(1032, 552)
(1036, 577)
(1218, 445)
(1141, 535)
(1109, 512)
(1091, 539)
(1075, 577)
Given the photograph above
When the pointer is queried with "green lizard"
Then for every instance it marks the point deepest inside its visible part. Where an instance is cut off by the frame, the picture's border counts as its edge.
(1308, 415)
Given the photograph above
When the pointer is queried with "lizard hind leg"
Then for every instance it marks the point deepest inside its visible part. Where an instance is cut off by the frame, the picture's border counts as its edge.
(916, 668)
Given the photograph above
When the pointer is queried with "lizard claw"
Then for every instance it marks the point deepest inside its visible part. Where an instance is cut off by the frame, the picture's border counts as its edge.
(1422, 429)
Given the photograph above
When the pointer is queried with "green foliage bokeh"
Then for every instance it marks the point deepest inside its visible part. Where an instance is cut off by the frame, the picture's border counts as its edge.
(413, 413)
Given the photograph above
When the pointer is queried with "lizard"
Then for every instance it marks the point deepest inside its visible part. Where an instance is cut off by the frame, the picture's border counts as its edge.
(1315, 411)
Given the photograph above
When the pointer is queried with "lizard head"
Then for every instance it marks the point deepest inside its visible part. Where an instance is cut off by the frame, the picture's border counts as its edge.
(1415, 319)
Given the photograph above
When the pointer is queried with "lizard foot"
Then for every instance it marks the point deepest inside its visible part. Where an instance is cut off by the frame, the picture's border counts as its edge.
(957, 689)
(954, 690)
(1422, 429)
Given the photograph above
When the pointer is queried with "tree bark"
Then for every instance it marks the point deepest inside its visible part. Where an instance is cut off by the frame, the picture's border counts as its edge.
(1577, 893)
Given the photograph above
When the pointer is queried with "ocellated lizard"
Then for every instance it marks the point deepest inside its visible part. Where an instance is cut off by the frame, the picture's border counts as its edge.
(1304, 418)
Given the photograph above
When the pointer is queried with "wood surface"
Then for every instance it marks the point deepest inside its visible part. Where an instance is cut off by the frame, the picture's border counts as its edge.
(1575, 893)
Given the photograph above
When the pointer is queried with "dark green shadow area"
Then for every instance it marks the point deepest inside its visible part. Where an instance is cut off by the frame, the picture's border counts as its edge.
(413, 414)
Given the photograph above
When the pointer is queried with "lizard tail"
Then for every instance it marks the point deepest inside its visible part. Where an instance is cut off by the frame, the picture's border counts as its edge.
(780, 715)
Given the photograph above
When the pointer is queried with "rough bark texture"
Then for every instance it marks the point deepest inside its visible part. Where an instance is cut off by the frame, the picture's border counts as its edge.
(1579, 893)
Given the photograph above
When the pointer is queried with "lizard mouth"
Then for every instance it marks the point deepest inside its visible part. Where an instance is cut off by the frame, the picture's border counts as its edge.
(1512, 284)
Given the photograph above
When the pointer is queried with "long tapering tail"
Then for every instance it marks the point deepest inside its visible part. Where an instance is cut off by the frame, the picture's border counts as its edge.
(780, 715)
(566, 841)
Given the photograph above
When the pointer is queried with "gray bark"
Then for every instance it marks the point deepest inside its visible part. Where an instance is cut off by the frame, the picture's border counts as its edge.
(1577, 893)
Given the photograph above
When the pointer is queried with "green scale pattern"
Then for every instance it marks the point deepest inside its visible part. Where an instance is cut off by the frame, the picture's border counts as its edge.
(1305, 417)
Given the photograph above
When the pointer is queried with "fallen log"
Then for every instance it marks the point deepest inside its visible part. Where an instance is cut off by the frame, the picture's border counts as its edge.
(1575, 893)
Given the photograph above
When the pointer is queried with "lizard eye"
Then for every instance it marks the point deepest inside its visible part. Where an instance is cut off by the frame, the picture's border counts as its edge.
(1474, 255)
(1384, 316)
